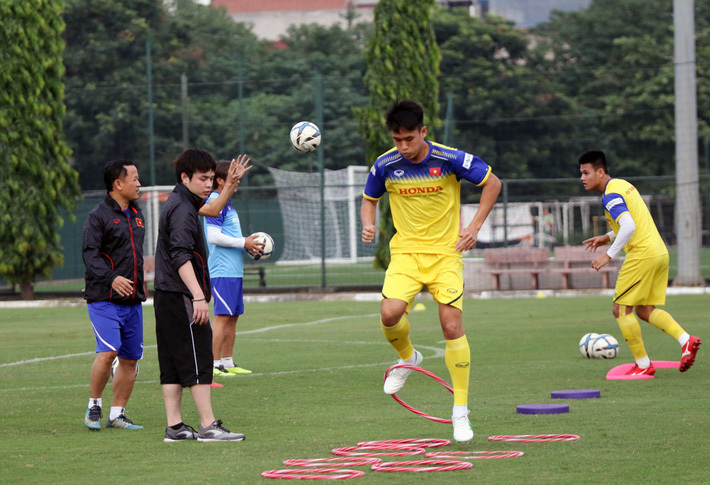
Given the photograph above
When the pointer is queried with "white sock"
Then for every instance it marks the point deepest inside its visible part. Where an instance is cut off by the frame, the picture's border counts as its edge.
(94, 401)
(217, 363)
(644, 362)
(459, 411)
(227, 362)
(683, 339)
(116, 411)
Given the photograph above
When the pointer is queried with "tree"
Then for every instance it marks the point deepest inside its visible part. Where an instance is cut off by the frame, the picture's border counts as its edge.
(508, 112)
(107, 102)
(616, 59)
(403, 62)
(36, 182)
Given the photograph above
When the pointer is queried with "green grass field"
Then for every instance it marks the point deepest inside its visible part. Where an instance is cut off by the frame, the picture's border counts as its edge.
(317, 385)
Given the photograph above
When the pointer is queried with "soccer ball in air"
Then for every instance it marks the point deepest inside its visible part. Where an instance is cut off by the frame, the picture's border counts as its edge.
(114, 366)
(305, 136)
(586, 343)
(268, 246)
(604, 347)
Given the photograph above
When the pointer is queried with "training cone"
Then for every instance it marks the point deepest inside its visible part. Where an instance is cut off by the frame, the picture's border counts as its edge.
(215, 384)
(419, 307)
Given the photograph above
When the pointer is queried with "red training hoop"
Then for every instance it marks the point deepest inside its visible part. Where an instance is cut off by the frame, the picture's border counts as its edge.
(421, 442)
(474, 455)
(534, 438)
(333, 462)
(370, 450)
(313, 473)
(422, 466)
(426, 373)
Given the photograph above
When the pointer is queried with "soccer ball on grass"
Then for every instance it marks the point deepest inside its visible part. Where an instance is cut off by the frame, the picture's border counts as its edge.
(305, 136)
(585, 344)
(604, 346)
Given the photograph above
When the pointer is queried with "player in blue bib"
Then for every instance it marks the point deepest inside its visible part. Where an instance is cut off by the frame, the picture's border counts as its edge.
(226, 245)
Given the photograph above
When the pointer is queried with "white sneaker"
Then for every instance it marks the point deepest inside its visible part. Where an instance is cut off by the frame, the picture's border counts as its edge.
(397, 377)
(462, 429)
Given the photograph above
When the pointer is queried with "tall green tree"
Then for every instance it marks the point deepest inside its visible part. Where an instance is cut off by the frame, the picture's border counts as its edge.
(403, 62)
(36, 181)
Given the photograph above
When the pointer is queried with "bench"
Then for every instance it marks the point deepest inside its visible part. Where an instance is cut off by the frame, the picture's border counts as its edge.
(576, 260)
(511, 261)
(149, 271)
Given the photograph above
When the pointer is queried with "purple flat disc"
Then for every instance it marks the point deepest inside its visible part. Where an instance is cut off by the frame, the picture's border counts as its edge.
(576, 394)
(543, 408)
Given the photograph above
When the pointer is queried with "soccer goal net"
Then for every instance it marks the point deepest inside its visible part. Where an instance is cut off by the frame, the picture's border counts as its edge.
(299, 196)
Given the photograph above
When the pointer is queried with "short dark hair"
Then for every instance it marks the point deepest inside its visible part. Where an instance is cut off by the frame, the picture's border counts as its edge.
(193, 160)
(220, 172)
(596, 158)
(114, 170)
(405, 114)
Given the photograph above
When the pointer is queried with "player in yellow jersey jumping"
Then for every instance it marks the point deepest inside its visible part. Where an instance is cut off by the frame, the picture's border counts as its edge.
(643, 277)
(423, 180)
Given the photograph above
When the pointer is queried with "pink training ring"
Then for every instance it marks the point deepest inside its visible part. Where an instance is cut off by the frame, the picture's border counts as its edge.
(341, 461)
(375, 450)
(426, 373)
(534, 438)
(421, 442)
(474, 455)
(422, 466)
(313, 473)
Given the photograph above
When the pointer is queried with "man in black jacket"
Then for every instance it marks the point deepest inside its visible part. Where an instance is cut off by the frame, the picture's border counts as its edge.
(112, 249)
(181, 302)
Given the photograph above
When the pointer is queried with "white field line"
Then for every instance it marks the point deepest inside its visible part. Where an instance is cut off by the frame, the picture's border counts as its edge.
(437, 352)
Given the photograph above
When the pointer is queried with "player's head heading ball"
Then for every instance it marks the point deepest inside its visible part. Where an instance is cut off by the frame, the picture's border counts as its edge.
(596, 158)
(404, 115)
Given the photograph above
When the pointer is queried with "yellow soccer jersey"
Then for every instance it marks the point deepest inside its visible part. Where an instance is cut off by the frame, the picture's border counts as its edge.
(425, 197)
(620, 197)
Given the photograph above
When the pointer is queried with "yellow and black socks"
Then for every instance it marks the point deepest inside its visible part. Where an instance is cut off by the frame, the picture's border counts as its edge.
(398, 337)
(458, 361)
(631, 330)
(663, 320)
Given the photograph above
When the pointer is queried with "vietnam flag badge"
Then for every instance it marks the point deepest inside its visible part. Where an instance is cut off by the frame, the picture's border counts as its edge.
(434, 171)
(139, 222)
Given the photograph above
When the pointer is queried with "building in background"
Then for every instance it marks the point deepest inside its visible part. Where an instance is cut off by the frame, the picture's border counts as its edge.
(271, 18)
(527, 13)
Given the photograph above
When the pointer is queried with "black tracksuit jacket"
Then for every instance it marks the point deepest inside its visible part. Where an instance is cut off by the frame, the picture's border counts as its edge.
(180, 239)
(112, 245)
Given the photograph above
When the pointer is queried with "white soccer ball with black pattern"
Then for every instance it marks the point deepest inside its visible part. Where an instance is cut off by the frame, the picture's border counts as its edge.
(604, 346)
(305, 136)
(114, 366)
(268, 241)
(585, 344)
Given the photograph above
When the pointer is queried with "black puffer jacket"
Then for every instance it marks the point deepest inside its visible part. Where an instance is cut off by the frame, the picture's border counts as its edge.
(112, 245)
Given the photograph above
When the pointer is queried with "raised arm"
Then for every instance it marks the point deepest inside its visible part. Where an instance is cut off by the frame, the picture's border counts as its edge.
(236, 171)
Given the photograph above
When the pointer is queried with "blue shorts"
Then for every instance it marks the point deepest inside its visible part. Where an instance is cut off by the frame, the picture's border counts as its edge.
(118, 328)
(228, 296)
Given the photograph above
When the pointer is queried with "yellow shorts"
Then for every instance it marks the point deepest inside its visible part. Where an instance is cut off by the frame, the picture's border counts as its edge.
(442, 275)
(642, 282)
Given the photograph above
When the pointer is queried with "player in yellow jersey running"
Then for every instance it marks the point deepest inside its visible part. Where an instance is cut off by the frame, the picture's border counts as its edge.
(643, 277)
(423, 180)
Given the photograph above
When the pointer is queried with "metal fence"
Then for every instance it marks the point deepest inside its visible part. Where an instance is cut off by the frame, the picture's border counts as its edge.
(532, 212)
